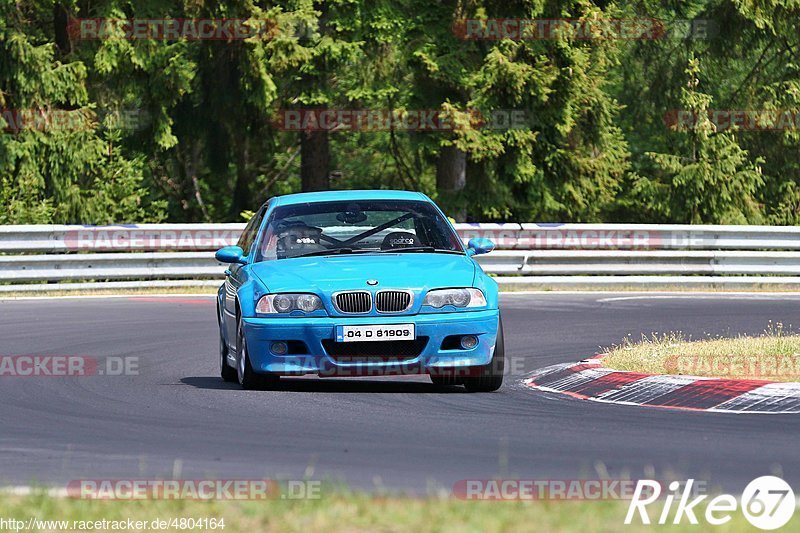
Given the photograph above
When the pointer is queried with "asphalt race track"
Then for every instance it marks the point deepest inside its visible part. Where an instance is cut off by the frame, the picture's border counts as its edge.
(176, 417)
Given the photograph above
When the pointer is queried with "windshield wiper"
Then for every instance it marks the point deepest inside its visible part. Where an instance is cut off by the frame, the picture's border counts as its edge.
(425, 249)
(333, 251)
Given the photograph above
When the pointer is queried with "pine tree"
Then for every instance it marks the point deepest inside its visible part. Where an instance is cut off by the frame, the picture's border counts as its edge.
(59, 162)
(711, 180)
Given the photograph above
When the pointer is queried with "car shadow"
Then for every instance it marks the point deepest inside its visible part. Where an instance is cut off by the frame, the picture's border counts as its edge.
(340, 385)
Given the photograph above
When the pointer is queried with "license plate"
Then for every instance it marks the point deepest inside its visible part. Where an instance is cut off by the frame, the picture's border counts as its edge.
(389, 332)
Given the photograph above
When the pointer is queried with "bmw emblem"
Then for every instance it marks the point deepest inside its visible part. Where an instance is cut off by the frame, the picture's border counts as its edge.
(372, 282)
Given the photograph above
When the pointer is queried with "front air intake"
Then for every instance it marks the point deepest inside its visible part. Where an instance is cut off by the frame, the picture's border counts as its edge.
(356, 302)
(392, 301)
(374, 350)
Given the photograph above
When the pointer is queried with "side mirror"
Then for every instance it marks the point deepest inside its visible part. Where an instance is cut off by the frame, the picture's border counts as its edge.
(479, 246)
(230, 254)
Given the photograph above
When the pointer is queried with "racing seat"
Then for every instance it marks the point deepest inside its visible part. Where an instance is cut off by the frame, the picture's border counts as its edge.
(298, 239)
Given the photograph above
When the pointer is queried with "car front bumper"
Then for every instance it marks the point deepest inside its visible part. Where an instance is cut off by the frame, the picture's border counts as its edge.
(261, 333)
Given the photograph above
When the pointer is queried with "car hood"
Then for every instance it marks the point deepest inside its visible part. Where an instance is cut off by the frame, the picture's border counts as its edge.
(415, 271)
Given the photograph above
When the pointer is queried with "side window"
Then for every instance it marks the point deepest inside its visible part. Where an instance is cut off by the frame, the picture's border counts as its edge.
(250, 231)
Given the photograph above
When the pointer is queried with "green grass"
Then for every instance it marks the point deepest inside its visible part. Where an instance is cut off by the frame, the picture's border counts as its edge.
(774, 355)
(356, 513)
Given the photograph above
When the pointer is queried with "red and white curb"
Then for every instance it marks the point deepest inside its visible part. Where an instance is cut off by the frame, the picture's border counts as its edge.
(590, 380)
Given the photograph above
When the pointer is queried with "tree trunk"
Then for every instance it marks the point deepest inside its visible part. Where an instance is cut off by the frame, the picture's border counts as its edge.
(61, 26)
(451, 177)
(314, 161)
(476, 177)
(241, 189)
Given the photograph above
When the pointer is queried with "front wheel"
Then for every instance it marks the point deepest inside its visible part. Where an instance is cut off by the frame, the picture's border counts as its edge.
(225, 371)
(247, 378)
(490, 377)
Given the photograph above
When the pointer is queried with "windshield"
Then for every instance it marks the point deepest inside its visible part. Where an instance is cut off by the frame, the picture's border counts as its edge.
(324, 228)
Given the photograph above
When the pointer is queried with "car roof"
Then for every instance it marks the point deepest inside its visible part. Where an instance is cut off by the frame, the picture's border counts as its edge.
(333, 196)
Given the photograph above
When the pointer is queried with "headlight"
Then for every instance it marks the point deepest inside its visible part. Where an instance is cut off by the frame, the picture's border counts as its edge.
(286, 303)
(455, 297)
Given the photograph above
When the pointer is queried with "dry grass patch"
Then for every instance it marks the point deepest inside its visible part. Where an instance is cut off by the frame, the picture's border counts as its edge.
(773, 356)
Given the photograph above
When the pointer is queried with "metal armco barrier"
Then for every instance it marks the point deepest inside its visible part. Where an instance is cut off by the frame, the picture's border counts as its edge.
(35, 258)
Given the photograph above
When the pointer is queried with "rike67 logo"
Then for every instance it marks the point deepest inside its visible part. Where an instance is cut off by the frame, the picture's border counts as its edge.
(767, 502)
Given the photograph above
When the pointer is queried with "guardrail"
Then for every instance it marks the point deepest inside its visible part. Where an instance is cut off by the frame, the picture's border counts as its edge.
(55, 257)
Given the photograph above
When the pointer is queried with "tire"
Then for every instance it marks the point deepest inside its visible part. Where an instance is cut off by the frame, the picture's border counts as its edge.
(245, 375)
(490, 377)
(446, 381)
(244, 372)
(225, 371)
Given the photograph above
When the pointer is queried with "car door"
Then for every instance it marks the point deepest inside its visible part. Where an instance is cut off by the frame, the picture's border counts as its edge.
(236, 275)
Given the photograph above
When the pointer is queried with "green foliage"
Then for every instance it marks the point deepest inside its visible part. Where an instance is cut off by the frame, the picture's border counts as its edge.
(58, 163)
(711, 179)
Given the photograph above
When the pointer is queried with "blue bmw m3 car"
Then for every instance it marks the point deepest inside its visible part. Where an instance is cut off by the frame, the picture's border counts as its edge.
(357, 283)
